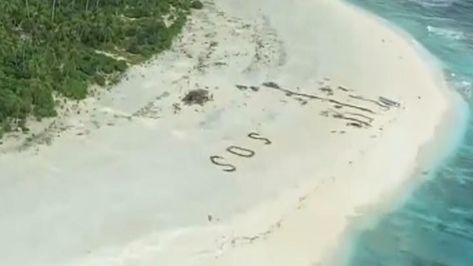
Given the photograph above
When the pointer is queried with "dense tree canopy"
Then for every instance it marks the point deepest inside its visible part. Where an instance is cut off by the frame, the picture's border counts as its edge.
(51, 46)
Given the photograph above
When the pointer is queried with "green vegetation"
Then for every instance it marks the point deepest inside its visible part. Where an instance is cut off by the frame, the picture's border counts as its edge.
(197, 4)
(54, 46)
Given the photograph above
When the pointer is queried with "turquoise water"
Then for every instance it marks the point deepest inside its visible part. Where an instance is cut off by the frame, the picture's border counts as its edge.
(434, 227)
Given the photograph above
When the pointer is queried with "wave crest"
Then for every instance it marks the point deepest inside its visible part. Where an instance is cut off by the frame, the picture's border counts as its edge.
(435, 3)
(448, 33)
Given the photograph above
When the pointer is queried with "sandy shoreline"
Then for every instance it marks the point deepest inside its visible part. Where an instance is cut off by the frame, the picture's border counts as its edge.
(127, 180)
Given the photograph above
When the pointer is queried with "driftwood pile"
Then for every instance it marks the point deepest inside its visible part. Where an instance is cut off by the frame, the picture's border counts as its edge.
(198, 96)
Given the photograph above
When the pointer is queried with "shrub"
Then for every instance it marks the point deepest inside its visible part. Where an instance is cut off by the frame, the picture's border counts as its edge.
(40, 55)
(197, 4)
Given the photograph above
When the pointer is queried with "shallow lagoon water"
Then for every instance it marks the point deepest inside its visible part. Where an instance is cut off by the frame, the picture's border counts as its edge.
(434, 226)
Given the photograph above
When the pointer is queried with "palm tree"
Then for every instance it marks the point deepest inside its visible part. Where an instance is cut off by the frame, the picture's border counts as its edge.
(27, 8)
(54, 9)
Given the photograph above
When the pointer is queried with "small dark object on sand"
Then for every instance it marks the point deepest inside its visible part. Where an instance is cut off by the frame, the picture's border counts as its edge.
(271, 84)
(389, 102)
(197, 4)
(327, 90)
(241, 87)
(254, 88)
(198, 96)
(353, 124)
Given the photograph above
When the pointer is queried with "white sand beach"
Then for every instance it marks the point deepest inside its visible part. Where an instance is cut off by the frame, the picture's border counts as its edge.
(126, 178)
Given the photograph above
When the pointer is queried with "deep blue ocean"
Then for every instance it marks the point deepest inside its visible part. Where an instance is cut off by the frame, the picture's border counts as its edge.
(434, 226)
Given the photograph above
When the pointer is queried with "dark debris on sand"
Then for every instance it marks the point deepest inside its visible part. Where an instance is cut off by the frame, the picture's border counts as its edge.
(198, 96)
